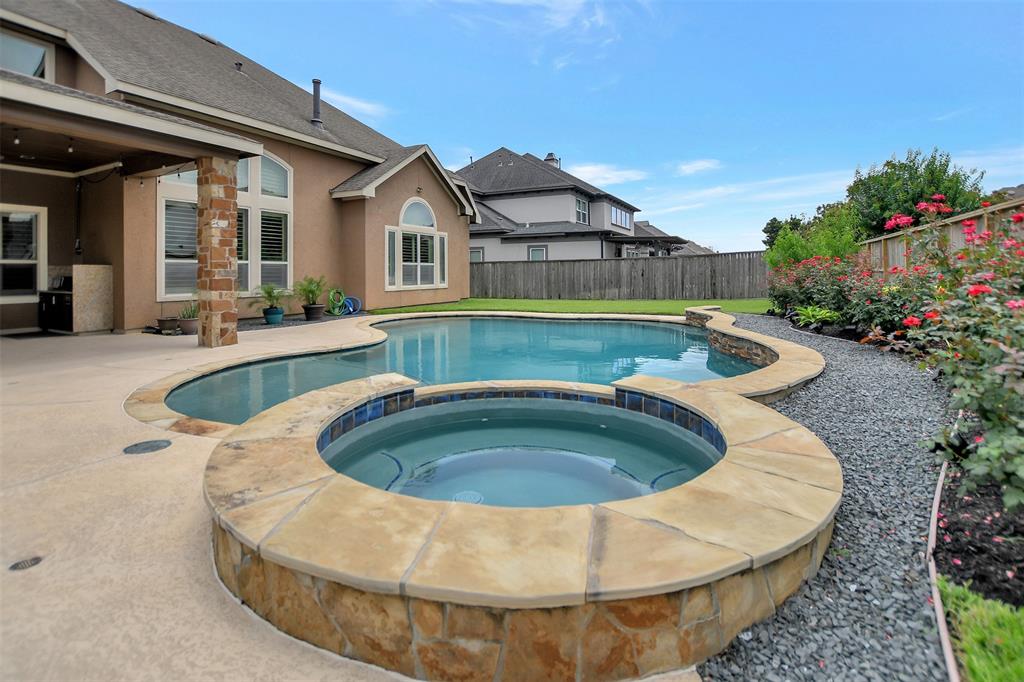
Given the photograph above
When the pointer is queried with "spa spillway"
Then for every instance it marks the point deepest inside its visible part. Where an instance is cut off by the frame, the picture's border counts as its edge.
(519, 530)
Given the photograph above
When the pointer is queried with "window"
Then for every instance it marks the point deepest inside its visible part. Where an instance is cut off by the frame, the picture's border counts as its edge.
(264, 228)
(537, 253)
(273, 178)
(23, 271)
(621, 217)
(416, 253)
(180, 262)
(24, 55)
(274, 248)
(242, 249)
(476, 255)
(582, 211)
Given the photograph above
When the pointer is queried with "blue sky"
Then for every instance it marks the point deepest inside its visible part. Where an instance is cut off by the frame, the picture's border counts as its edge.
(711, 117)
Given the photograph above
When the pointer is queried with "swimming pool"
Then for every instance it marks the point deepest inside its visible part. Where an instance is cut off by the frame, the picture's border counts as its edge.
(521, 452)
(457, 349)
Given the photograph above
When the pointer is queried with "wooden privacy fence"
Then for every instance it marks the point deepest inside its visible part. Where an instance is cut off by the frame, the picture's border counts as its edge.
(720, 275)
(894, 249)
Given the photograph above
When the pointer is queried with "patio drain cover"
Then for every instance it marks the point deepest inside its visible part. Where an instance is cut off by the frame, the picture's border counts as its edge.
(25, 563)
(146, 446)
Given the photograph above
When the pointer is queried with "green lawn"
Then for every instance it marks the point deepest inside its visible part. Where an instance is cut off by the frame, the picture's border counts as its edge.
(988, 635)
(659, 307)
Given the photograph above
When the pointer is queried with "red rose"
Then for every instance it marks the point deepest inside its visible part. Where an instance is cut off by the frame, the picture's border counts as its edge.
(1017, 217)
(912, 321)
(986, 204)
(939, 197)
(932, 314)
(978, 289)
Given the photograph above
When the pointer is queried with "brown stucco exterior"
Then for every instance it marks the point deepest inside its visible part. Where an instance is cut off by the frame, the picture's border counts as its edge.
(341, 240)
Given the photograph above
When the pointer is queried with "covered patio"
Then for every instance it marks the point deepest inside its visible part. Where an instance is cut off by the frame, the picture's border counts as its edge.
(77, 177)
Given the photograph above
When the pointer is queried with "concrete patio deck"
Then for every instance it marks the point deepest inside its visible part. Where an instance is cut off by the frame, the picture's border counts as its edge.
(126, 589)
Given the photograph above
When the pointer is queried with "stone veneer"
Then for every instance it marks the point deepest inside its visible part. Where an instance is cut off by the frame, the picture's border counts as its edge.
(453, 591)
(217, 273)
(603, 640)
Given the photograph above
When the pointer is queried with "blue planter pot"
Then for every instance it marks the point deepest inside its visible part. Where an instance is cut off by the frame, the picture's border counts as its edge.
(273, 315)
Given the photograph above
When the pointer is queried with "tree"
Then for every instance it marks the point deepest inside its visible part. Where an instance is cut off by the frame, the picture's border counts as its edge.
(774, 226)
(899, 184)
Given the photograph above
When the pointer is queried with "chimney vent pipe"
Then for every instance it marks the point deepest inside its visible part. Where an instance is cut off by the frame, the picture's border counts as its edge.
(316, 104)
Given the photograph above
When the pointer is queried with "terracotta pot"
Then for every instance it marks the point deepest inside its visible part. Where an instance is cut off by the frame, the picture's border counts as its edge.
(188, 327)
(167, 325)
(313, 312)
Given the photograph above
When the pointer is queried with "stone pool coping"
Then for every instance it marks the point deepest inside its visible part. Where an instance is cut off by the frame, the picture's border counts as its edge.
(771, 497)
(788, 365)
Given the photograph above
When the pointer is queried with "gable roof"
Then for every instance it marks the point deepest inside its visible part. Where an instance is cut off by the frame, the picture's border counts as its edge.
(491, 220)
(365, 182)
(148, 58)
(643, 228)
(503, 171)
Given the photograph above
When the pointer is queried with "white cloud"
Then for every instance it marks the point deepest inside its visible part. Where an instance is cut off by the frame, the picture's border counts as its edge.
(354, 106)
(458, 158)
(1002, 167)
(602, 174)
(697, 166)
(813, 188)
(955, 113)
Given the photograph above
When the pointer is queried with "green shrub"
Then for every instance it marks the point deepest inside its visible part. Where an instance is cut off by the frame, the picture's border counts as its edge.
(833, 231)
(812, 314)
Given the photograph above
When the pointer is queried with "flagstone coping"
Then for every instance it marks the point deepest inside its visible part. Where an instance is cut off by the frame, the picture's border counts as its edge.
(776, 489)
(787, 365)
(448, 590)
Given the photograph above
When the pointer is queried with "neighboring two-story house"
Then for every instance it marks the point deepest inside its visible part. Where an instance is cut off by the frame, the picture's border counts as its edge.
(531, 209)
(144, 164)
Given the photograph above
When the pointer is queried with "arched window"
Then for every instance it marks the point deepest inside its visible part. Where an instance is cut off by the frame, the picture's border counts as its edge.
(417, 214)
(417, 254)
(273, 178)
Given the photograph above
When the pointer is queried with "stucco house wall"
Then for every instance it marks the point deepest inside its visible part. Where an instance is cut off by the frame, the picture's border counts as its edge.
(537, 208)
(558, 249)
(415, 180)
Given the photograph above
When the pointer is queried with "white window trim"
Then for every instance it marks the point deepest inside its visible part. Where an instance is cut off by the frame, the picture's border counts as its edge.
(42, 260)
(398, 230)
(531, 247)
(483, 253)
(586, 212)
(254, 201)
(49, 60)
(416, 200)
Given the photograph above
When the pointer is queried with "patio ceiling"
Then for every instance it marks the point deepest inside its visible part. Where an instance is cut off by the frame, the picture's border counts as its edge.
(47, 120)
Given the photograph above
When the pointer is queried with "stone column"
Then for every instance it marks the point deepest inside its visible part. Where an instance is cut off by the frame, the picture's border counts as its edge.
(218, 258)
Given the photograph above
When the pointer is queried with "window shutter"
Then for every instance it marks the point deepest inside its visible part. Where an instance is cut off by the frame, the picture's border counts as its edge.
(179, 230)
(242, 236)
(274, 236)
(442, 259)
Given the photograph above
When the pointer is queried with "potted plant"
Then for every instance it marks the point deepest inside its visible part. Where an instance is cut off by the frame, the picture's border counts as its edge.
(188, 318)
(270, 298)
(167, 325)
(310, 290)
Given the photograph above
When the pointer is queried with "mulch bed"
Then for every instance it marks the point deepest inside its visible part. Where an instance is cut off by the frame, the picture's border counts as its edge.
(980, 543)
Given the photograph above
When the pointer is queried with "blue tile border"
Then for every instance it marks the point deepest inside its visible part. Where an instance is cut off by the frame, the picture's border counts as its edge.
(636, 401)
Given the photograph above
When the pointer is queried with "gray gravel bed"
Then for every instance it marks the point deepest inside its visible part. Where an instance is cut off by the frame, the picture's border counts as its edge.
(866, 615)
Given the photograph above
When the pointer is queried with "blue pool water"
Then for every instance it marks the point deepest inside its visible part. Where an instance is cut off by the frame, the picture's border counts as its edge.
(521, 452)
(447, 350)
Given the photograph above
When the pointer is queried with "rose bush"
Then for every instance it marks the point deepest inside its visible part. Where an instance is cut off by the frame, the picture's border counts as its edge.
(973, 330)
(961, 309)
